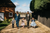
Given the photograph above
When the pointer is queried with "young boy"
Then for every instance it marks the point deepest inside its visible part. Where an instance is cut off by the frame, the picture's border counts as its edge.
(13, 22)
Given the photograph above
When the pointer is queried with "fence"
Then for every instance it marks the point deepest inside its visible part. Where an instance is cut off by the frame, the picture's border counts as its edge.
(44, 20)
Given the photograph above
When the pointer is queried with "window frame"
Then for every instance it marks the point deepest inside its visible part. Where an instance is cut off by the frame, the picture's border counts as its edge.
(10, 15)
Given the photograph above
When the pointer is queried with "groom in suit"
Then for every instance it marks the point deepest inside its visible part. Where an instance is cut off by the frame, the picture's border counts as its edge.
(28, 19)
(17, 18)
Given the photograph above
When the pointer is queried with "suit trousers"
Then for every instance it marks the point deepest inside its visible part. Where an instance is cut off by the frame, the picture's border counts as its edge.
(27, 23)
(12, 25)
(17, 24)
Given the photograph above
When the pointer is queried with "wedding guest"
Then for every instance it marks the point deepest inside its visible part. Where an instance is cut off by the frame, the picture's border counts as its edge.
(17, 18)
(28, 19)
(23, 24)
(13, 20)
(33, 24)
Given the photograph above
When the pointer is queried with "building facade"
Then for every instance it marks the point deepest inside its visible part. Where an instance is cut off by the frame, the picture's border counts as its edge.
(7, 9)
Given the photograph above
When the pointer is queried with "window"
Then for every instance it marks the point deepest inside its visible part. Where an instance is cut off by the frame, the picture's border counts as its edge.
(1, 16)
(10, 14)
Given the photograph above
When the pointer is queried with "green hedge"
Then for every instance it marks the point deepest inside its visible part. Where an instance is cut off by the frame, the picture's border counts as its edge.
(4, 23)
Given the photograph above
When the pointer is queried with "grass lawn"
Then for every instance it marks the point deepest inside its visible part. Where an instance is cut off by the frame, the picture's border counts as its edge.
(3, 25)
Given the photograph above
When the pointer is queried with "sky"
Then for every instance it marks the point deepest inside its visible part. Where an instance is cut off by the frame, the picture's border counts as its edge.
(22, 5)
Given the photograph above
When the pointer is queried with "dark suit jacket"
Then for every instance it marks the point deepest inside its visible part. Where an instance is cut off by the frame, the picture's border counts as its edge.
(27, 17)
(17, 18)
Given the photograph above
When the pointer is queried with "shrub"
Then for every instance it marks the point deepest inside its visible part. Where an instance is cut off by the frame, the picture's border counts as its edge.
(5, 21)
(1, 21)
(9, 20)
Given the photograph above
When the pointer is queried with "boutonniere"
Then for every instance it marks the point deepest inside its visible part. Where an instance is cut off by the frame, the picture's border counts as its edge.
(17, 14)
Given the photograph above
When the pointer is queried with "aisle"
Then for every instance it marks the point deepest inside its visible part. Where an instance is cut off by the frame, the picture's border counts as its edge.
(9, 29)
(23, 30)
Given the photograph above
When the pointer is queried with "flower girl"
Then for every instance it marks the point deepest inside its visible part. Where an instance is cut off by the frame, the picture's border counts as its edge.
(22, 24)
(33, 24)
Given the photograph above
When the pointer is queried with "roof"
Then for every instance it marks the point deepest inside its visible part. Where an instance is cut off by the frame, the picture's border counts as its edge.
(6, 3)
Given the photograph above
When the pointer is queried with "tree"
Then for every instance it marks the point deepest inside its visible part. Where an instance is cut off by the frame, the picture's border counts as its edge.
(32, 5)
(38, 4)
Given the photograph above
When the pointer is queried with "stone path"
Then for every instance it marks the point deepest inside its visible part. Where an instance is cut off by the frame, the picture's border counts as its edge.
(9, 29)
